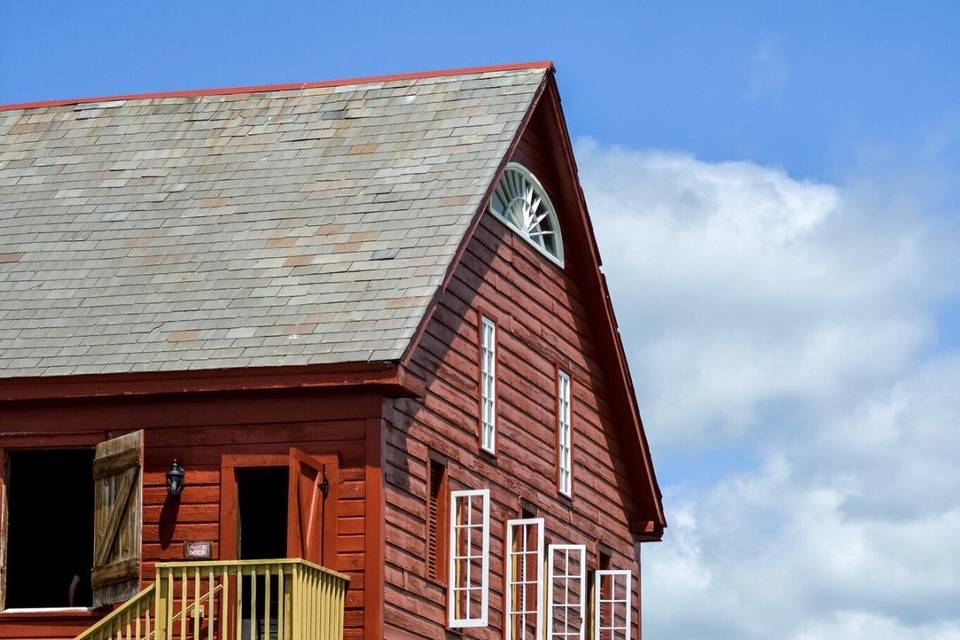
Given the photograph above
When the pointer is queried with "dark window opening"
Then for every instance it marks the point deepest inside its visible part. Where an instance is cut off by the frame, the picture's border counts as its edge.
(262, 494)
(528, 510)
(437, 522)
(49, 528)
(605, 554)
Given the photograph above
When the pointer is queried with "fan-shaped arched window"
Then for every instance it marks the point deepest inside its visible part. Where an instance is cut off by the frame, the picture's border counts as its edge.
(522, 203)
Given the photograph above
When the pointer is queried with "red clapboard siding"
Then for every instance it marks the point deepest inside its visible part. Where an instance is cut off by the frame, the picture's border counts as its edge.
(542, 323)
(197, 432)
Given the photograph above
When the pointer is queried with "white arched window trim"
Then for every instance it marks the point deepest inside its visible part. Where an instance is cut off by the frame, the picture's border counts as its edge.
(518, 184)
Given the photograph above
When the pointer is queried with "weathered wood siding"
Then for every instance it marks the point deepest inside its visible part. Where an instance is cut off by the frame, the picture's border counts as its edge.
(541, 324)
(197, 431)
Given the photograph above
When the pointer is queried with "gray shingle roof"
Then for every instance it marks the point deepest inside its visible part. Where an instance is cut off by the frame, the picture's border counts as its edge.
(295, 226)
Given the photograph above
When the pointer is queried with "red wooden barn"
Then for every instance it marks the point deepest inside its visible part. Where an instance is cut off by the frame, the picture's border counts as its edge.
(365, 320)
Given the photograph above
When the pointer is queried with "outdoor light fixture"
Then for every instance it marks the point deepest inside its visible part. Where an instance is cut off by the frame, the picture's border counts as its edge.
(175, 479)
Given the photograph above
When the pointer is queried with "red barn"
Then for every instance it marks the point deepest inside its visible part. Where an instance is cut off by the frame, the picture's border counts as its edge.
(311, 361)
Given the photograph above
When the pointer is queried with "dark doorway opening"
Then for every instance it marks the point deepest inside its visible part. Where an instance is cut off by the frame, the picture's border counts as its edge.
(49, 528)
(262, 494)
(262, 502)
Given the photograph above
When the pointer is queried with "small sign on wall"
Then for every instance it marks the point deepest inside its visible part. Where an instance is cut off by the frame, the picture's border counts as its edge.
(198, 550)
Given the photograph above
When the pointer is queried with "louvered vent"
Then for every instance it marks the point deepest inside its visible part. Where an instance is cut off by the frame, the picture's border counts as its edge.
(436, 525)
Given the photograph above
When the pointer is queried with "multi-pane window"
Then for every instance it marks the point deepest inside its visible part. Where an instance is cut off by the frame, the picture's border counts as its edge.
(522, 203)
(488, 380)
(564, 436)
(523, 616)
(566, 591)
(468, 589)
(611, 604)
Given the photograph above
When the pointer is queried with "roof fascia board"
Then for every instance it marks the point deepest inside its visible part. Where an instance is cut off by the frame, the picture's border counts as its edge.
(600, 282)
(386, 377)
(548, 91)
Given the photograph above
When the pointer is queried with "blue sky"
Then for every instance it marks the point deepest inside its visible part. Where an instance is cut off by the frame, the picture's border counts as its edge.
(805, 86)
(776, 190)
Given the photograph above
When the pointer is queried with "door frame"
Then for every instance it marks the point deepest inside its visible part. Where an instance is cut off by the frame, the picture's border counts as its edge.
(229, 498)
(79, 442)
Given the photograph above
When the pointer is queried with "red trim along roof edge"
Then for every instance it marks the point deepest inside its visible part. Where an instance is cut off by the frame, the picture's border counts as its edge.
(292, 86)
(383, 375)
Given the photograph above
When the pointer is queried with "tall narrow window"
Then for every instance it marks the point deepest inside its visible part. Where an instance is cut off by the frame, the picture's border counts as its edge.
(436, 521)
(524, 567)
(611, 604)
(564, 436)
(488, 381)
(468, 590)
(566, 591)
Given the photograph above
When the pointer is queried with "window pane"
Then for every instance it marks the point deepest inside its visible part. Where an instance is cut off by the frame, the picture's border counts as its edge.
(566, 592)
(488, 363)
(612, 604)
(469, 558)
(564, 435)
(523, 570)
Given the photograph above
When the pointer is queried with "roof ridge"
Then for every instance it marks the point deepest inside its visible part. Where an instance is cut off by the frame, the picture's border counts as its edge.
(289, 86)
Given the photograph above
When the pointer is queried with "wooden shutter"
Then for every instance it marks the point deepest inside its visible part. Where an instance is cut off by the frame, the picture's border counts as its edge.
(437, 522)
(311, 512)
(118, 499)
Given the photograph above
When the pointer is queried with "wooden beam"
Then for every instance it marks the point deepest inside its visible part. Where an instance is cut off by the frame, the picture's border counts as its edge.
(383, 377)
(375, 534)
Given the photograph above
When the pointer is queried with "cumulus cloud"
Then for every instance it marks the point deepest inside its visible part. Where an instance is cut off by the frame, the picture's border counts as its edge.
(794, 322)
(740, 286)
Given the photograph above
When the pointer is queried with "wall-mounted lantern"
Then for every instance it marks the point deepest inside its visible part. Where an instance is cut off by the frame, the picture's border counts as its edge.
(175, 479)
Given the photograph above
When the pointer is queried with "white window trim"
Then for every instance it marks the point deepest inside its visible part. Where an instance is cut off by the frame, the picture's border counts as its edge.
(598, 602)
(509, 555)
(580, 576)
(516, 166)
(564, 434)
(479, 621)
(488, 397)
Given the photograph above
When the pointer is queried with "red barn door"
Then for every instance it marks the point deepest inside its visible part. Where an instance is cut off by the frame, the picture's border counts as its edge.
(311, 512)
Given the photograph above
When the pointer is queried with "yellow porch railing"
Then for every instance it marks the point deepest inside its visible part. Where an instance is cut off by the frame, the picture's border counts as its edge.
(288, 599)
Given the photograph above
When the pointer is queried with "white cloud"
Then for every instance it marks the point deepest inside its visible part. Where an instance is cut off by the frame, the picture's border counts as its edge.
(859, 626)
(796, 322)
(789, 289)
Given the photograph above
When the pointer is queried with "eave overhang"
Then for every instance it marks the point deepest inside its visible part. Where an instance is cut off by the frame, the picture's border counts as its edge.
(384, 377)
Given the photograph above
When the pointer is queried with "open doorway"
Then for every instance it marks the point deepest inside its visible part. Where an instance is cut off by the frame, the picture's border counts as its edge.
(275, 506)
(262, 499)
(49, 536)
(262, 502)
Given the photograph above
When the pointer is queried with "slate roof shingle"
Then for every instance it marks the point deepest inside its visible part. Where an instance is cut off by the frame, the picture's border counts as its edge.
(295, 226)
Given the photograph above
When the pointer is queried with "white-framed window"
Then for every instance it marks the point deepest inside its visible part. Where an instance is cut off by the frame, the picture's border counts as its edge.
(523, 615)
(611, 604)
(521, 202)
(488, 381)
(564, 436)
(566, 592)
(468, 590)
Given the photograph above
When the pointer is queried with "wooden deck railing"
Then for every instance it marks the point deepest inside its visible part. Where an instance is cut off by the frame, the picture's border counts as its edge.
(287, 599)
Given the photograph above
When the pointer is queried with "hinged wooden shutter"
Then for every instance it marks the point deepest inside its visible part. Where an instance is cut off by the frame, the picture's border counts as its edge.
(118, 498)
(311, 513)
